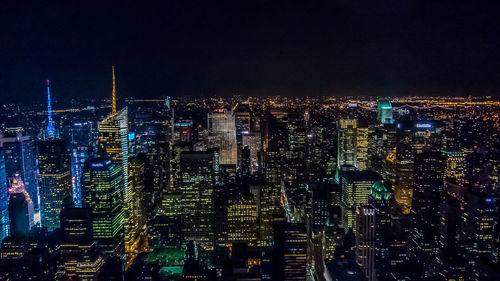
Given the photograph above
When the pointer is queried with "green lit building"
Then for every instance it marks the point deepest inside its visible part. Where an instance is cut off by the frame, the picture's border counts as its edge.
(385, 111)
(103, 195)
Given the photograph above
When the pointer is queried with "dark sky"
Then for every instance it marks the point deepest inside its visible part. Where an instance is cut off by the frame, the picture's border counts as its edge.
(376, 47)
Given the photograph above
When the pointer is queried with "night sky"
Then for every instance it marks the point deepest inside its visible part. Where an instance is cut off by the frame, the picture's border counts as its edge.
(377, 47)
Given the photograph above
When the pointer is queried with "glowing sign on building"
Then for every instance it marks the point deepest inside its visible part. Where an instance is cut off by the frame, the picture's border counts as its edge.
(423, 125)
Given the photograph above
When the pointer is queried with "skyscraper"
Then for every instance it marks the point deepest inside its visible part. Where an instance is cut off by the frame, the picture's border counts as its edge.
(4, 198)
(456, 167)
(135, 212)
(103, 195)
(20, 159)
(352, 144)
(365, 240)
(113, 141)
(347, 142)
(54, 170)
(384, 112)
(270, 193)
(290, 252)
(427, 200)
(17, 186)
(242, 220)
(79, 154)
(373, 233)
(222, 135)
(79, 258)
(356, 186)
(197, 187)
(18, 215)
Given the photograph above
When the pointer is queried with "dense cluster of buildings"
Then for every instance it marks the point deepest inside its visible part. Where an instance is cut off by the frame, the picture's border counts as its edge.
(249, 189)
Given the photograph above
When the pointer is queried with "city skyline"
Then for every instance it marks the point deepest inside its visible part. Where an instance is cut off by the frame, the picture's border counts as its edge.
(262, 140)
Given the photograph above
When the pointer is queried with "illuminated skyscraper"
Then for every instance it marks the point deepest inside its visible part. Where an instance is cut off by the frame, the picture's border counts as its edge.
(197, 187)
(79, 154)
(373, 233)
(456, 167)
(356, 186)
(347, 142)
(385, 112)
(103, 195)
(242, 220)
(19, 153)
(254, 142)
(4, 198)
(222, 135)
(365, 240)
(54, 170)
(352, 144)
(480, 219)
(270, 193)
(113, 141)
(135, 214)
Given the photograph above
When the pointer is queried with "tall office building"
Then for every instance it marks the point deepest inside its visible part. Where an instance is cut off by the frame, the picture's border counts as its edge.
(54, 170)
(222, 135)
(103, 195)
(320, 204)
(384, 112)
(379, 198)
(197, 187)
(4, 198)
(373, 233)
(270, 193)
(79, 154)
(242, 220)
(135, 219)
(480, 220)
(404, 169)
(254, 142)
(347, 142)
(17, 186)
(290, 252)
(456, 167)
(19, 153)
(427, 200)
(356, 186)
(113, 142)
(18, 215)
(365, 240)
(352, 144)
(79, 258)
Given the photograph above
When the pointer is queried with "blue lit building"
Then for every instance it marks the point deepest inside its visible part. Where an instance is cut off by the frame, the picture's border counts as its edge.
(79, 154)
(20, 159)
(4, 214)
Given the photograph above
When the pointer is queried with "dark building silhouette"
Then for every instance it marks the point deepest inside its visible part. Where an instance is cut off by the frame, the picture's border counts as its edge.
(18, 215)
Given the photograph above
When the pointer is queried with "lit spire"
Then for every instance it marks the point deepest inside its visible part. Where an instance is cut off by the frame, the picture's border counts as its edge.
(50, 126)
(113, 106)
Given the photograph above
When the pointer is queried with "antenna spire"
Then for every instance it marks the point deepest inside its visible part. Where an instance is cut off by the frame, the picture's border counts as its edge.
(113, 106)
(50, 126)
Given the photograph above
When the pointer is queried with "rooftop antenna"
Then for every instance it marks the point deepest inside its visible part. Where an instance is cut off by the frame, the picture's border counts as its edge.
(50, 126)
(113, 105)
